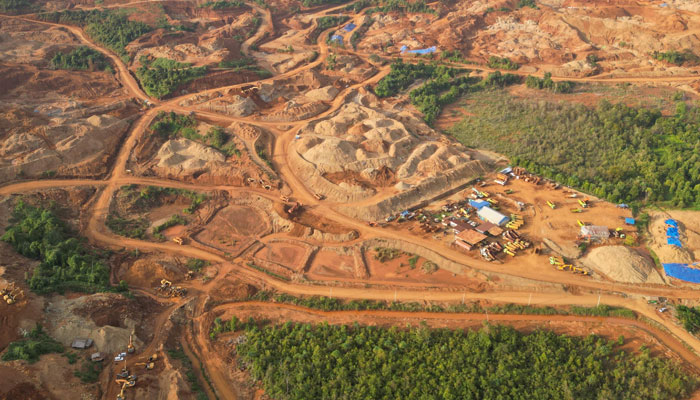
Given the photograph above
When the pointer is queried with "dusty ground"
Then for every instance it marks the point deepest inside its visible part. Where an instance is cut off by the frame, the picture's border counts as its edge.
(316, 134)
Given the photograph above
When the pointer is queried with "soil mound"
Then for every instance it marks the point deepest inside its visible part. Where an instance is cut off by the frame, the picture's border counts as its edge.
(185, 155)
(622, 264)
(150, 272)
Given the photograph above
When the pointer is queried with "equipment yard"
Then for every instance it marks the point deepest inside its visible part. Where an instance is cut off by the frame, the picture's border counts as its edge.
(176, 175)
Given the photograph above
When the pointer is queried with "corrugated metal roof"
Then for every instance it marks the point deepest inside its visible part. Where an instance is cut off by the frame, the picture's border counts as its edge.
(491, 215)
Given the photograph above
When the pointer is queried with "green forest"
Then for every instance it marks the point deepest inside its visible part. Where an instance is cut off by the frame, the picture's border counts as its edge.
(162, 76)
(621, 153)
(13, 5)
(35, 344)
(677, 57)
(110, 28)
(546, 82)
(442, 87)
(303, 361)
(81, 58)
(689, 317)
(66, 263)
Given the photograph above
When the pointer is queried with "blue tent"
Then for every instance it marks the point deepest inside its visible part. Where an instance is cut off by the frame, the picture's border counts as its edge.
(674, 242)
(672, 232)
(478, 204)
(337, 38)
(349, 27)
(672, 222)
(629, 221)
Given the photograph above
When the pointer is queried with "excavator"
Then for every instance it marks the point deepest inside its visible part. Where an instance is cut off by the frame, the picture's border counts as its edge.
(125, 384)
(130, 347)
(150, 363)
(551, 204)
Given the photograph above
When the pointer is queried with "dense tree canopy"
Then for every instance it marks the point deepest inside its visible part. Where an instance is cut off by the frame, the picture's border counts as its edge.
(82, 57)
(162, 76)
(621, 153)
(65, 262)
(108, 27)
(301, 361)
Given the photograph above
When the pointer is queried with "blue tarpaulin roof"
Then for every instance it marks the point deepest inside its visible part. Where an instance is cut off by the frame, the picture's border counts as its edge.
(672, 232)
(674, 241)
(429, 50)
(337, 38)
(349, 27)
(629, 221)
(682, 271)
(672, 222)
(479, 203)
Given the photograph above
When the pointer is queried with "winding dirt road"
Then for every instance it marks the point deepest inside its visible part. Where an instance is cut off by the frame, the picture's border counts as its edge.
(197, 341)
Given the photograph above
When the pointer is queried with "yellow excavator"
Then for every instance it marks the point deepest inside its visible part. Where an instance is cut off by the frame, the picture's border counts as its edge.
(125, 384)
(130, 347)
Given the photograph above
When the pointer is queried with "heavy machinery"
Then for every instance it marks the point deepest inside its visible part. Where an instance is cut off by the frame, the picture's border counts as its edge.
(130, 347)
(11, 294)
(551, 205)
(284, 198)
(583, 203)
(125, 384)
(178, 240)
(294, 208)
(319, 196)
(578, 270)
(565, 267)
(580, 223)
(148, 365)
(576, 210)
(556, 260)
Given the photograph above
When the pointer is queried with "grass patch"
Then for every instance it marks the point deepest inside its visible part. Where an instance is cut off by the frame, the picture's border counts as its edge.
(267, 271)
(623, 154)
(129, 227)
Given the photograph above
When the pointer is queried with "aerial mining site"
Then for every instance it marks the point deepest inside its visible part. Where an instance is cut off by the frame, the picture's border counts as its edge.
(349, 199)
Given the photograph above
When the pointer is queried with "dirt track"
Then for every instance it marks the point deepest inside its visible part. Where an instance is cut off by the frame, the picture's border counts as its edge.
(97, 232)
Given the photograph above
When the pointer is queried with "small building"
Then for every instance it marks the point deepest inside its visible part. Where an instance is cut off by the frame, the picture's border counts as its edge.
(81, 343)
(488, 214)
(595, 232)
(97, 357)
(457, 225)
(484, 227)
(629, 221)
(469, 238)
(349, 27)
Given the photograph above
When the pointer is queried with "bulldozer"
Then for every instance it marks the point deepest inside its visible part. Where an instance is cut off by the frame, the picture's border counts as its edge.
(130, 347)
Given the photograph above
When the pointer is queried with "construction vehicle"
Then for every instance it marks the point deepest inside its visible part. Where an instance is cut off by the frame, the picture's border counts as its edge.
(294, 208)
(125, 384)
(583, 203)
(578, 270)
(565, 267)
(284, 199)
(189, 275)
(580, 223)
(178, 240)
(148, 365)
(319, 196)
(510, 253)
(576, 210)
(130, 347)
(556, 260)
(551, 205)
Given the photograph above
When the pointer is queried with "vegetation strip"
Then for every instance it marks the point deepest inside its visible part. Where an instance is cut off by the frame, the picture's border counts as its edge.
(299, 361)
(620, 153)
